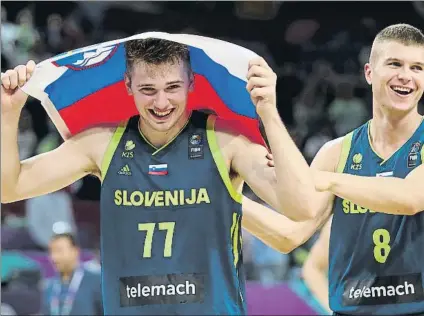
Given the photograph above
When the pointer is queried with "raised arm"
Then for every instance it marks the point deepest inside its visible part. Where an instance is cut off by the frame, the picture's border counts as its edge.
(44, 173)
(290, 188)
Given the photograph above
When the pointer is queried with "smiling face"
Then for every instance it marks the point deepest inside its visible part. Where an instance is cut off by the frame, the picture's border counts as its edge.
(159, 78)
(396, 68)
(396, 73)
(160, 93)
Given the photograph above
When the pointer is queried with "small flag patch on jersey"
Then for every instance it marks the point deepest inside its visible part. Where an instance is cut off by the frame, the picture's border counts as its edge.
(158, 170)
(385, 174)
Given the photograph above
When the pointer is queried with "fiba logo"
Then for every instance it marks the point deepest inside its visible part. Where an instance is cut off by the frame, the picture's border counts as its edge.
(195, 146)
(357, 162)
(195, 139)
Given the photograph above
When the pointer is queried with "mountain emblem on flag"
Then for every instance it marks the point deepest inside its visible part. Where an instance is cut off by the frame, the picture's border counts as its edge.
(88, 59)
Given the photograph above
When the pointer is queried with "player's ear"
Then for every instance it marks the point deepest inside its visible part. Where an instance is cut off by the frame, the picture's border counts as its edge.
(368, 73)
(128, 83)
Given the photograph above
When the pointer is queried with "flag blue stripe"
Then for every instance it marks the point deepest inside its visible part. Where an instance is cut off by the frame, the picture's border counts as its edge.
(75, 85)
(230, 89)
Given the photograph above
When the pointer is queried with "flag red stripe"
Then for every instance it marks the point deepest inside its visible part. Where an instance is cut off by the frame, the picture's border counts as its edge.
(113, 104)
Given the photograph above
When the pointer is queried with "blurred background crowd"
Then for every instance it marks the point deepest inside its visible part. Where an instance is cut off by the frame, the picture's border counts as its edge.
(317, 50)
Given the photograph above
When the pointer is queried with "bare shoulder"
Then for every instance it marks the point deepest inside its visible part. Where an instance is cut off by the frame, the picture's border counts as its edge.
(226, 138)
(231, 140)
(93, 142)
(226, 130)
(328, 156)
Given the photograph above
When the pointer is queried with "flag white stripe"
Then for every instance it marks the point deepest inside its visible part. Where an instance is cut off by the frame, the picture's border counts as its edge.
(158, 166)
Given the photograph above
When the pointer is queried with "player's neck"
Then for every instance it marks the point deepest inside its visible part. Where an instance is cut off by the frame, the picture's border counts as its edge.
(159, 139)
(389, 130)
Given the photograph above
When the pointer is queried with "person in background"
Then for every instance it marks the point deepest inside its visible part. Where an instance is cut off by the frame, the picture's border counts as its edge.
(346, 111)
(74, 290)
(27, 139)
(315, 269)
(270, 264)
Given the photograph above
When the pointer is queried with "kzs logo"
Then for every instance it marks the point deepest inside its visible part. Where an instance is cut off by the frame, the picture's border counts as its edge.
(128, 152)
(357, 162)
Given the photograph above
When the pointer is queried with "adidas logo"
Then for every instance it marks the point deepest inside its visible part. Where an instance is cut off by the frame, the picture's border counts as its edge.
(125, 171)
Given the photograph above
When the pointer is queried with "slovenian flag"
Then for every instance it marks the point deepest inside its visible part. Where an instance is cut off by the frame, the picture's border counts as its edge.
(84, 88)
(158, 170)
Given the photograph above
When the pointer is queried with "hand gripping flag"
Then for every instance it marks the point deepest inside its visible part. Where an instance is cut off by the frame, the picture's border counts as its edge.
(85, 87)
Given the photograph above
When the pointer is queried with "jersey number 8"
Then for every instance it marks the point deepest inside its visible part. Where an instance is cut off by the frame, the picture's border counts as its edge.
(381, 238)
(150, 228)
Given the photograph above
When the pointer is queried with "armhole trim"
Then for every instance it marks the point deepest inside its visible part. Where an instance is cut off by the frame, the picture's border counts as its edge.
(111, 148)
(219, 159)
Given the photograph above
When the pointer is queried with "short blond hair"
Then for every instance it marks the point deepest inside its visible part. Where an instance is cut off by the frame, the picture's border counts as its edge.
(402, 33)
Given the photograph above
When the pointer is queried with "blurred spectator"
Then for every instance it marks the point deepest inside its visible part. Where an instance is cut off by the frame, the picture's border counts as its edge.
(310, 104)
(26, 38)
(50, 141)
(347, 112)
(270, 266)
(301, 31)
(296, 135)
(54, 33)
(315, 269)
(44, 211)
(73, 35)
(74, 290)
(9, 35)
(27, 139)
(321, 135)
(14, 230)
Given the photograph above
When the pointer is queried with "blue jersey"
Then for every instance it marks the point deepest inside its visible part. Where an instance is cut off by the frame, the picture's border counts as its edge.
(170, 225)
(376, 261)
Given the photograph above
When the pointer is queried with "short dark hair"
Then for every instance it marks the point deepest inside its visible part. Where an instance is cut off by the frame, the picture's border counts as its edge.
(72, 239)
(402, 33)
(155, 51)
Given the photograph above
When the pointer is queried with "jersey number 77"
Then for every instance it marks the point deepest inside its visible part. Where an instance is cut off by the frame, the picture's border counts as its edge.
(150, 229)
